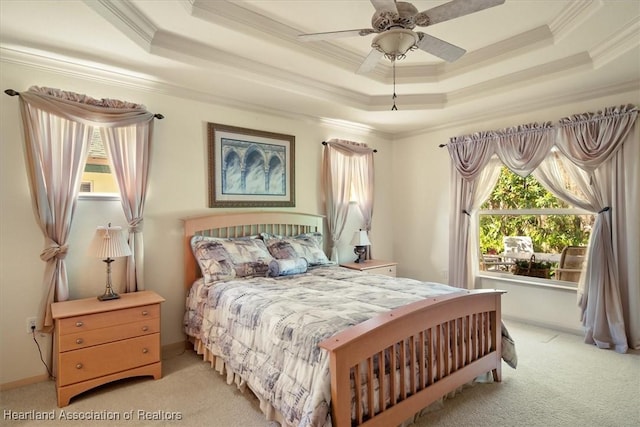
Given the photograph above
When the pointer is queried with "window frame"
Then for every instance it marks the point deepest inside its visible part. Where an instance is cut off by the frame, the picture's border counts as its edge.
(97, 196)
(518, 279)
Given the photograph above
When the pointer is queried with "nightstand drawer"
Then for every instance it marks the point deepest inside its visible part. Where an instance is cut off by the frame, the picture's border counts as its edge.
(106, 319)
(374, 266)
(104, 335)
(97, 361)
(389, 270)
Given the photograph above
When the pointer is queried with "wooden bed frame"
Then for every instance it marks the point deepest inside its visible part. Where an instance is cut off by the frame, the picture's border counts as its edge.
(462, 330)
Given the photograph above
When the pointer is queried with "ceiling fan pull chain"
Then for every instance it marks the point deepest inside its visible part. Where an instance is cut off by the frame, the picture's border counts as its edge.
(394, 108)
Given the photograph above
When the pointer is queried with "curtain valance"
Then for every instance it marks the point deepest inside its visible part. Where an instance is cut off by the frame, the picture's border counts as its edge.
(521, 148)
(349, 147)
(84, 109)
(587, 139)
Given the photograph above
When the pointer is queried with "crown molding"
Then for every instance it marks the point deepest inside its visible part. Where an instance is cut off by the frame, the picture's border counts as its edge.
(176, 47)
(127, 19)
(70, 67)
(527, 105)
(173, 46)
(232, 15)
(494, 86)
(621, 42)
(100, 75)
(572, 17)
(539, 73)
(132, 22)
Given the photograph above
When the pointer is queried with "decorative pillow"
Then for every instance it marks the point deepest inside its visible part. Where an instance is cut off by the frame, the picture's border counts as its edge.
(246, 256)
(286, 267)
(307, 246)
(213, 259)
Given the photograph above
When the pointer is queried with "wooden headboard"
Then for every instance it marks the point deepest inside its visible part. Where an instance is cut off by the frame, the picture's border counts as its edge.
(241, 224)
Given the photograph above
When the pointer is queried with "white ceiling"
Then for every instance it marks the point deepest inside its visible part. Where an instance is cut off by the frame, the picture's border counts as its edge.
(520, 54)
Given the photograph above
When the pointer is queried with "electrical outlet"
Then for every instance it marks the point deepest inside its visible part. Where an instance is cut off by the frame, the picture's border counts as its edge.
(31, 324)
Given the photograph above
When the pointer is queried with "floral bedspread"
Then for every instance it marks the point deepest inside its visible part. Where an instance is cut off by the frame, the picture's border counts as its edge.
(267, 329)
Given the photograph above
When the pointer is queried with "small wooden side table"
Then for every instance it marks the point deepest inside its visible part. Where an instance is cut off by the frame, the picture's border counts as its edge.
(97, 342)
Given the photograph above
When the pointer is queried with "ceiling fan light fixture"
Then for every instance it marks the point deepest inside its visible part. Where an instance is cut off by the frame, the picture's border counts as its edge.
(395, 43)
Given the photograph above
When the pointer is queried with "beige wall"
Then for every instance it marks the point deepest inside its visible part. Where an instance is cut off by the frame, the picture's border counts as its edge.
(177, 188)
(411, 220)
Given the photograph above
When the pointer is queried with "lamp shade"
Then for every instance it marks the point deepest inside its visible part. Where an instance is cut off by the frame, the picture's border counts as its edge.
(109, 242)
(395, 42)
(360, 238)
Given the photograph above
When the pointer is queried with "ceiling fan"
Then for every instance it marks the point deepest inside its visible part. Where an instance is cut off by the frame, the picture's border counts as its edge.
(394, 21)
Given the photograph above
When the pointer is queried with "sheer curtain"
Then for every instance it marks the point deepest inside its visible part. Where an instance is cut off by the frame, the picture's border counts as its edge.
(346, 165)
(56, 151)
(593, 142)
(129, 149)
(57, 128)
(363, 178)
(487, 180)
(469, 154)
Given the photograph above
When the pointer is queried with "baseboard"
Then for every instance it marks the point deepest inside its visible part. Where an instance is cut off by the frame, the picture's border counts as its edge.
(167, 351)
(171, 350)
(24, 381)
(547, 325)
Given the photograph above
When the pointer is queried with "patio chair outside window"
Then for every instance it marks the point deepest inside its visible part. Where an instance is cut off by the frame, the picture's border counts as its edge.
(571, 263)
(516, 244)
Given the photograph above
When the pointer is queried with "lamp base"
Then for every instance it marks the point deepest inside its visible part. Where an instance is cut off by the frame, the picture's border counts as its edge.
(108, 295)
(360, 251)
(108, 290)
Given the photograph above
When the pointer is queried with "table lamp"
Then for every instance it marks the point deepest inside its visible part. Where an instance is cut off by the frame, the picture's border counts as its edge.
(360, 241)
(109, 243)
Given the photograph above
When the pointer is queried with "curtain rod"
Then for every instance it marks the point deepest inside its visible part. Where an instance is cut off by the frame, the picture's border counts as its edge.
(12, 92)
(325, 143)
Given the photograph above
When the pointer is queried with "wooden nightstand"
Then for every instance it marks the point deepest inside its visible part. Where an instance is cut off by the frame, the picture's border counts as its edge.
(374, 266)
(97, 342)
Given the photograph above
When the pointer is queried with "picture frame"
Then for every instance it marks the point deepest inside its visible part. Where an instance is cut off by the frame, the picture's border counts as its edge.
(250, 168)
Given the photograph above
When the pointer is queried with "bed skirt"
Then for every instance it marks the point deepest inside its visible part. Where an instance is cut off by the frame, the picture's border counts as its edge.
(272, 414)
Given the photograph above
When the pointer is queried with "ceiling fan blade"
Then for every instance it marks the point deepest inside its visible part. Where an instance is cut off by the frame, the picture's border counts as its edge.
(370, 61)
(456, 8)
(440, 48)
(389, 5)
(335, 35)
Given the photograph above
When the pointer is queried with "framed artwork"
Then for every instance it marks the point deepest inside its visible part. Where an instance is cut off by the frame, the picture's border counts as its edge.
(250, 168)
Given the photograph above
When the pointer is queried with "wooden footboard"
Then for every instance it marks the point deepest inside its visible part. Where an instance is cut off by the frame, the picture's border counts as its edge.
(426, 350)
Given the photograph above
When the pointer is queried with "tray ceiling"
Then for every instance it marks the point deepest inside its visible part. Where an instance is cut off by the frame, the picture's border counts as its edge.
(246, 54)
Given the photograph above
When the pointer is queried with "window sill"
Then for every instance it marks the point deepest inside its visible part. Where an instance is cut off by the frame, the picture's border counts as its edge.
(529, 281)
(99, 196)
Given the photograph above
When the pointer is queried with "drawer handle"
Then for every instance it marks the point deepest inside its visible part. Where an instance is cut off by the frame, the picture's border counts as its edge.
(78, 324)
(145, 350)
(79, 341)
(145, 313)
(79, 366)
(145, 328)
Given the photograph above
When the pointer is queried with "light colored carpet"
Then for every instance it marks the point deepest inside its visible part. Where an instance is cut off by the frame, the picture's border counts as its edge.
(560, 381)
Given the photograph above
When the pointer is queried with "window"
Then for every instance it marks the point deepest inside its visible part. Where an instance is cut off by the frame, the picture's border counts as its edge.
(98, 179)
(522, 208)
